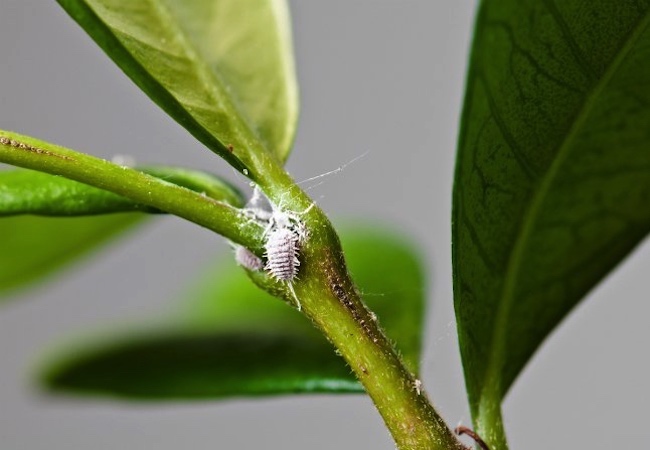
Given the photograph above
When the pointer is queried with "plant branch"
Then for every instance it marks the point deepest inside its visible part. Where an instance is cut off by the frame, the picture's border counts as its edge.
(329, 298)
(489, 422)
(30, 153)
(460, 430)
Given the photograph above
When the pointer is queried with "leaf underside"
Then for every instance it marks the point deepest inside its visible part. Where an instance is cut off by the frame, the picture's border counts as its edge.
(35, 247)
(235, 340)
(553, 173)
(223, 69)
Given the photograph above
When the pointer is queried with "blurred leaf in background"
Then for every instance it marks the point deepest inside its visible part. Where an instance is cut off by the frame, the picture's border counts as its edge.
(232, 339)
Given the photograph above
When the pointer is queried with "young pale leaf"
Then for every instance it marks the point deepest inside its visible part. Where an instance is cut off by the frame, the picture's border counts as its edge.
(33, 247)
(553, 175)
(30, 192)
(222, 68)
(236, 340)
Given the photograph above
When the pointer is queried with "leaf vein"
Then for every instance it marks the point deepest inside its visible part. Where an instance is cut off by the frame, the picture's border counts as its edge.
(495, 361)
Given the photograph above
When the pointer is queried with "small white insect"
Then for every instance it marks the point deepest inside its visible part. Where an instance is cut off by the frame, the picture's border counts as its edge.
(248, 259)
(282, 253)
(284, 235)
(417, 384)
(259, 207)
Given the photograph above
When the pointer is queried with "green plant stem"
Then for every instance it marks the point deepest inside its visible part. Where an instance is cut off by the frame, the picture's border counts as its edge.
(30, 153)
(329, 298)
(324, 288)
(489, 421)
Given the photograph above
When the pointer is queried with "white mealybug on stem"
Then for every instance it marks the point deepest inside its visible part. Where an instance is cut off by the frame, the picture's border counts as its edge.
(282, 254)
(284, 235)
(248, 259)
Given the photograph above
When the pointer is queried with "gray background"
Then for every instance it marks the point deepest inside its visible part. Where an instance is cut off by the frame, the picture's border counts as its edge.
(376, 75)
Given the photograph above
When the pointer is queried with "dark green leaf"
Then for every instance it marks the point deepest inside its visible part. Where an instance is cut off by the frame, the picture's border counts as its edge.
(237, 340)
(553, 175)
(222, 68)
(33, 247)
(194, 366)
(31, 192)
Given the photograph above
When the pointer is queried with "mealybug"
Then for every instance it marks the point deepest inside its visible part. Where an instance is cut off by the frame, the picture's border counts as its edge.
(248, 259)
(284, 234)
(282, 253)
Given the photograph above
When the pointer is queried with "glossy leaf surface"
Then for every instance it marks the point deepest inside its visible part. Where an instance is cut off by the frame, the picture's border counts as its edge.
(222, 68)
(34, 247)
(237, 340)
(553, 175)
(30, 192)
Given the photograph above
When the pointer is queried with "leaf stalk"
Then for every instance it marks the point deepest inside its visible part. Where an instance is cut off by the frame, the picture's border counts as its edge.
(226, 220)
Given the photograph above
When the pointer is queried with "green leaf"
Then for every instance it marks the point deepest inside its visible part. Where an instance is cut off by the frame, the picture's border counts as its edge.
(553, 175)
(236, 340)
(31, 192)
(222, 68)
(34, 247)
(195, 366)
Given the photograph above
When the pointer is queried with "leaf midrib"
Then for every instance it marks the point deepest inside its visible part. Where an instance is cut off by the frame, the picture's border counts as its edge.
(492, 373)
(210, 80)
(282, 17)
(206, 75)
